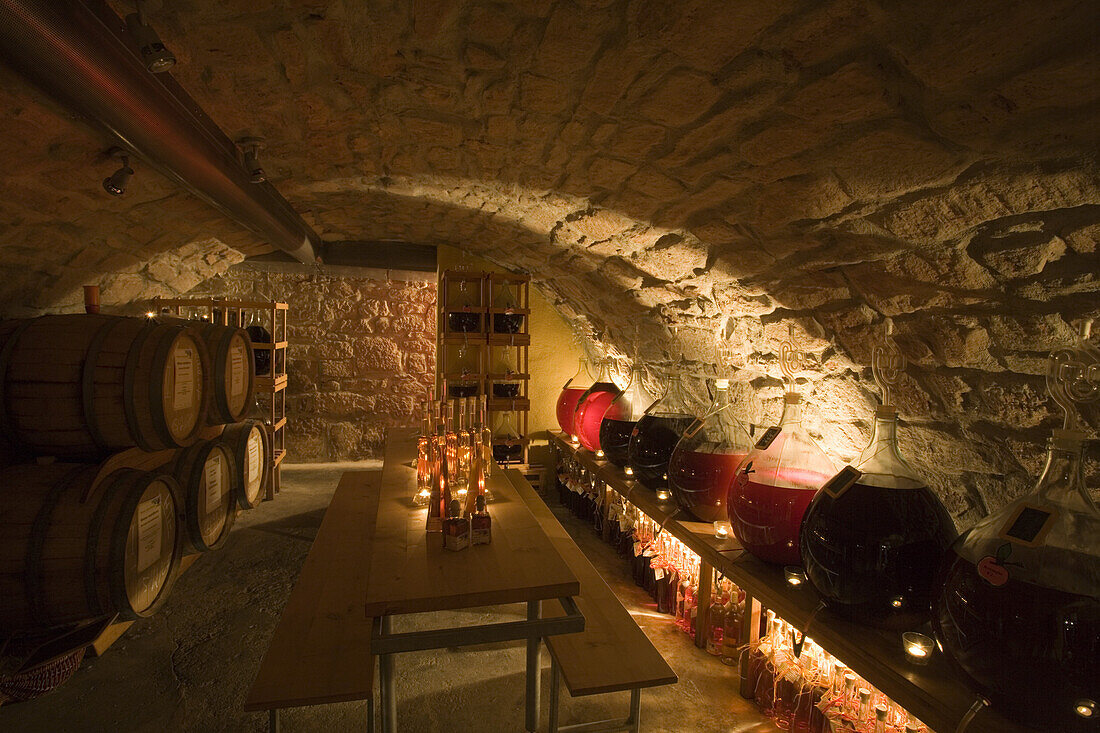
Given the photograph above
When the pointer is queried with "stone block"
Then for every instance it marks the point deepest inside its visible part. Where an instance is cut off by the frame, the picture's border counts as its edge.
(680, 98)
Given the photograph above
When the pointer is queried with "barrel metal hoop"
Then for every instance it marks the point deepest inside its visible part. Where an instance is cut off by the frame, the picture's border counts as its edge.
(156, 389)
(6, 427)
(32, 577)
(87, 383)
(223, 408)
(116, 553)
(128, 379)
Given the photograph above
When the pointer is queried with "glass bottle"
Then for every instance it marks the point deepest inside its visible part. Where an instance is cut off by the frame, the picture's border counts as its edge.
(774, 485)
(486, 437)
(622, 415)
(591, 406)
(462, 450)
(507, 447)
(258, 334)
(467, 374)
(481, 524)
(874, 537)
(456, 528)
(423, 457)
(505, 384)
(571, 393)
(464, 317)
(656, 434)
(1019, 611)
(731, 629)
(706, 459)
(509, 321)
(436, 510)
(716, 618)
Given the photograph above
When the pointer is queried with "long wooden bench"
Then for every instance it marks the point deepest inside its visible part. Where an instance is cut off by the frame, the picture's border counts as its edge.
(612, 654)
(320, 650)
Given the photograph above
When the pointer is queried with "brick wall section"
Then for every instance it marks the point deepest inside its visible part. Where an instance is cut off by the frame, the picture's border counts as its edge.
(361, 354)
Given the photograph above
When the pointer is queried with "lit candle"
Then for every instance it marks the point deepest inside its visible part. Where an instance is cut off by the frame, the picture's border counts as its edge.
(574, 440)
(1085, 708)
(599, 453)
(918, 647)
(722, 530)
(628, 471)
(795, 575)
(662, 495)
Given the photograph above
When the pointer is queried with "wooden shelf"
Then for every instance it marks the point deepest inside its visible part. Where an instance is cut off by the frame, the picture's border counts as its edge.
(277, 457)
(279, 424)
(468, 337)
(504, 404)
(935, 693)
(509, 339)
(269, 346)
(502, 377)
(219, 303)
(510, 311)
(271, 384)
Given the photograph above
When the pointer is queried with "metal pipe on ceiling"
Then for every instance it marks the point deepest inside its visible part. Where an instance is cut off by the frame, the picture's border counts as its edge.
(65, 48)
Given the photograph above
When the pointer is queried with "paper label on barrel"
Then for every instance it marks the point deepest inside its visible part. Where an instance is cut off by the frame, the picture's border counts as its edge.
(236, 367)
(149, 533)
(185, 379)
(254, 470)
(213, 470)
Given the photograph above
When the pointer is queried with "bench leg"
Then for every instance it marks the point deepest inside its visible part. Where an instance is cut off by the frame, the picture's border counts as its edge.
(534, 645)
(273, 721)
(370, 713)
(555, 691)
(387, 698)
(634, 722)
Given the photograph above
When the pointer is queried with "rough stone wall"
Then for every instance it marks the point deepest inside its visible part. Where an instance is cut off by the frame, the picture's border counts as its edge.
(658, 167)
(361, 353)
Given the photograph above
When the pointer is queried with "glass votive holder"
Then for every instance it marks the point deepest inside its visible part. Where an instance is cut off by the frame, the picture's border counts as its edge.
(662, 495)
(722, 530)
(795, 575)
(599, 453)
(628, 471)
(918, 647)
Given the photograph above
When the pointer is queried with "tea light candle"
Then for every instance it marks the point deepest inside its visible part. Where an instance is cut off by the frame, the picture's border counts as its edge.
(662, 495)
(795, 575)
(599, 453)
(574, 440)
(628, 471)
(722, 530)
(918, 647)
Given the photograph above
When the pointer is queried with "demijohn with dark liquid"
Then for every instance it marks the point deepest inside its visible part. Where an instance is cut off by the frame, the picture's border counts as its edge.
(706, 459)
(1019, 609)
(658, 431)
(622, 415)
(875, 535)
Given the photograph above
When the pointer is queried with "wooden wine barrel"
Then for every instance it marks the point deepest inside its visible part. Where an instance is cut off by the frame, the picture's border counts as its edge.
(251, 448)
(232, 369)
(208, 482)
(63, 560)
(84, 386)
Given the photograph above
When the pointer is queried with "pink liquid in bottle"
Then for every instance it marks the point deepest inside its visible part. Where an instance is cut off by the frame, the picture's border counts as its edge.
(590, 411)
(700, 482)
(766, 518)
(567, 406)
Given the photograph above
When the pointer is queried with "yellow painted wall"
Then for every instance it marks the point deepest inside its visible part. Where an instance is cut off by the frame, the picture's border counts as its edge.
(552, 356)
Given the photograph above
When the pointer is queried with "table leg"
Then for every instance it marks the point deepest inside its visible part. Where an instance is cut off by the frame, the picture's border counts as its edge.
(555, 683)
(387, 698)
(702, 620)
(534, 680)
(273, 721)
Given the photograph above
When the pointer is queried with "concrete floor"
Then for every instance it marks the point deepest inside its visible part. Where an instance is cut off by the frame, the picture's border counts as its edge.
(189, 667)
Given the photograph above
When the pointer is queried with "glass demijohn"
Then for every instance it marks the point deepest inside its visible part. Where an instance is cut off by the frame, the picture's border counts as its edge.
(778, 478)
(571, 393)
(592, 405)
(874, 536)
(621, 416)
(656, 434)
(706, 459)
(1019, 610)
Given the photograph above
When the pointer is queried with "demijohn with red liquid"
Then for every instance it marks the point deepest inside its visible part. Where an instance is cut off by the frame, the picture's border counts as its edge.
(1019, 608)
(571, 393)
(875, 535)
(622, 415)
(778, 479)
(706, 459)
(591, 406)
(656, 434)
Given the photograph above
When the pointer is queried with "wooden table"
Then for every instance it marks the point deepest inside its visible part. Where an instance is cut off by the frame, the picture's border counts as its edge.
(934, 693)
(410, 572)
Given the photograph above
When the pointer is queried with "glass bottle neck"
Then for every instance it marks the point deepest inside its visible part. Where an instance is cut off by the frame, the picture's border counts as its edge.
(792, 411)
(881, 459)
(1062, 481)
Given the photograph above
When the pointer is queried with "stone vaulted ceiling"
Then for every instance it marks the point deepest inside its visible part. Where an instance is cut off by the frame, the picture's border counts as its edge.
(657, 166)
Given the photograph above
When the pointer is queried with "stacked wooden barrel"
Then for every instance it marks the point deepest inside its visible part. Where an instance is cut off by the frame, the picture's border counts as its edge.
(124, 446)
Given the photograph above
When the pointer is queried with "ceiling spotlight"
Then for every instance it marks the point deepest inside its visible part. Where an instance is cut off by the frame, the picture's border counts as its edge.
(251, 146)
(115, 184)
(154, 53)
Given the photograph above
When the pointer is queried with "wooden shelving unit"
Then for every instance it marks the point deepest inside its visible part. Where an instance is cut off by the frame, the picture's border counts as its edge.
(462, 296)
(935, 693)
(270, 387)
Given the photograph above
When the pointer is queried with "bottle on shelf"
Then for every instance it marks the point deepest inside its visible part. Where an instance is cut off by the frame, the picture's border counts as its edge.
(1019, 610)
(507, 446)
(716, 620)
(468, 371)
(481, 524)
(622, 415)
(571, 393)
(658, 431)
(486, 437)
(875, 535)
(731, 629)
(464, 315)
(705, 460)
(436, 507)
(591, 406)
(509, 321)
(423, 457)
(462, 450)
(456, 528)
(505, 384)
(258, 334)
(778, 478)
